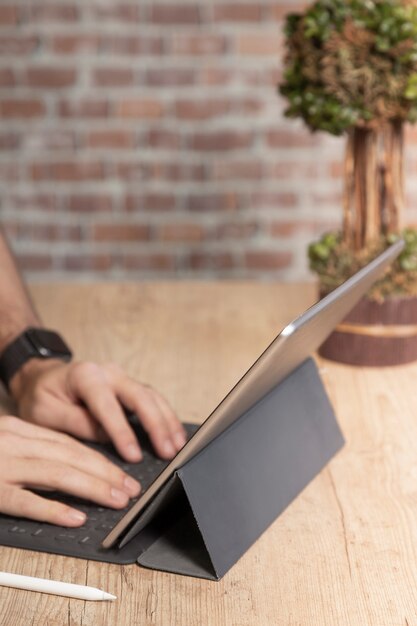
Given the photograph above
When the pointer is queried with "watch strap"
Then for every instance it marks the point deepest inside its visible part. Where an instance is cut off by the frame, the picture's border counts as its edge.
(32, 343)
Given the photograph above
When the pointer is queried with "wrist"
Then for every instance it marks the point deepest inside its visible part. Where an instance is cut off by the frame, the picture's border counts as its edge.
(28, 373)
(32, 347)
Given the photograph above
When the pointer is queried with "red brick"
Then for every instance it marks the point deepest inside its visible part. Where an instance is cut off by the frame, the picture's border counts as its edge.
(10, 172)
(90, 203)
(292, 229)
(120, 232)
(160, 138)
(34, 262)
(292, 139)
(221, 140)
(8, 15)
(214, 76)
(131, 44)
(259, 45)
(22, 107)
(136, 170)
(139, 108)
(48, 232)
(150, 202)
(279, 200)
(111, 139)
(51, 77)
(285, 229)
(238, 12)
(294, 170)
(18, 45)
(200, 110)
(52, 12)
(74, 44)
(318, 227)
(67, 171)
(210, 260)
(97, 262)
(180, 232)
(7, 77)
(199, 44)
(182, 171)
(28, 201)
(177, 77)
(49, 139)
(281, 10)
(212, 202)
(113, 76)
(174, 14)
(249, 105)
(116, 12)
(84, 108)
(261, 77)
(150, 261)
(10, 230)
(236, 230)
(231, 170)
(336, 169)
(9, 141)
(267, 260)
(329, 199)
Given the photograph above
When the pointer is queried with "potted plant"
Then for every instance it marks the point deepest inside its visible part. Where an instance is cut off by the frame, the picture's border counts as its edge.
(351, 69)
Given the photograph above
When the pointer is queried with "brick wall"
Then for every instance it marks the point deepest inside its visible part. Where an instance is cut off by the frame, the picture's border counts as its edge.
(145, 139)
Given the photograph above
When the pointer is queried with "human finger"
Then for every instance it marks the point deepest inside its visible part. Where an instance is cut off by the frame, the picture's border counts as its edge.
(177, 430)
(58, 475)
(10, 423)
(90, 384)
(80, 457)
(22, 503)
(138, 398)
(75, 420)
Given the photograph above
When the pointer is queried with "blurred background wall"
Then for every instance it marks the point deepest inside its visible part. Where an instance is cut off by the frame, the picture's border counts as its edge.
(146, 139)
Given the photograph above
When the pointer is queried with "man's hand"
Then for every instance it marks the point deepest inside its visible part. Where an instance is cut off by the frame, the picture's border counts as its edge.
(36, 457)
(85, 400)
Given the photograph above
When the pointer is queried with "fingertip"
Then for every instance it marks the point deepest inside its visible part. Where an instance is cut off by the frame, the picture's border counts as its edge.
(133, 453)
(180, 439)
(167, 450)
(133, 486)
(74, 518)
(119, 498)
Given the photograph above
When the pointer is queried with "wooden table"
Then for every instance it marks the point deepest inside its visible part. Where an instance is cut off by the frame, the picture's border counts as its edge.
(343, 553)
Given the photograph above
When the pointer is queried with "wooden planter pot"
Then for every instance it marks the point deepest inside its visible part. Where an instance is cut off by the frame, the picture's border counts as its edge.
(375, 334)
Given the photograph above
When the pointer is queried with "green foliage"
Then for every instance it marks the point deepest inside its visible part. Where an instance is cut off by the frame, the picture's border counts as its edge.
(335, 262)
(351, 62)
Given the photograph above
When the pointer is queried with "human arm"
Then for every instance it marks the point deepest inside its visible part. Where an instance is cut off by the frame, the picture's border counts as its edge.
(82, 398)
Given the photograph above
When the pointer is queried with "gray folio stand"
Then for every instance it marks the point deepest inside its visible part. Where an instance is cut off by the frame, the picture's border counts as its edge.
(216, 505)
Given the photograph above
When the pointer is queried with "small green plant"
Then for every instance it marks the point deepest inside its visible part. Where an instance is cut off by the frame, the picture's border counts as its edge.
(351, 63)
(335, 262)
(351, 69)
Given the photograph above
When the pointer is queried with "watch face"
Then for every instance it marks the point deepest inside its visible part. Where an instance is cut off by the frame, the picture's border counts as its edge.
(47, 343)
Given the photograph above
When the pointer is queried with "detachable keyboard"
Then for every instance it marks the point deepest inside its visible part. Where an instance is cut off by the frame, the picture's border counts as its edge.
(85, 541)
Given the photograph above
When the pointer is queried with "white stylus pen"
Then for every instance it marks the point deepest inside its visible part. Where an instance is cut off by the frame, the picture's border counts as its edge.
(44, 585)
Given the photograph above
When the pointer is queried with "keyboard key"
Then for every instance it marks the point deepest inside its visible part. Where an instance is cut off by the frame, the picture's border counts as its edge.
(65, 538)
(17, 529)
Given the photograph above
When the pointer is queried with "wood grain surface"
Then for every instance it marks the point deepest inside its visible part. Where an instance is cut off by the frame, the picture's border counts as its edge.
(344, 553)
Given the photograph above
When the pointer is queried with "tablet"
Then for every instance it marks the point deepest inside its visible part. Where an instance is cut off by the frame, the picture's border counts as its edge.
(286, 352)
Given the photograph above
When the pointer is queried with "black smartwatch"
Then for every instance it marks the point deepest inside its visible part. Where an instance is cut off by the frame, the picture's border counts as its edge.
(33, 343)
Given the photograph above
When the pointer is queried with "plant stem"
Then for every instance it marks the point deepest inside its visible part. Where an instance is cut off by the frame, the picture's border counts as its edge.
(373, 195)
